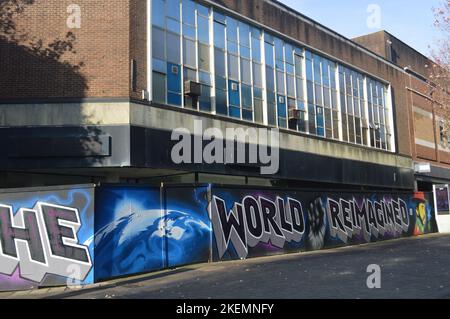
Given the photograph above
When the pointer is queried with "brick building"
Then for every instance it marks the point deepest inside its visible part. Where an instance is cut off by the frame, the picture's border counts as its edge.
(88, 175)
(99, 103)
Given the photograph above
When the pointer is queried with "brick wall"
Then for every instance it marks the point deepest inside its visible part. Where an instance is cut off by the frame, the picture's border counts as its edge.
(46, 59)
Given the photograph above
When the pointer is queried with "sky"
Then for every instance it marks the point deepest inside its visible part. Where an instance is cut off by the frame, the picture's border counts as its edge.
(409, 20)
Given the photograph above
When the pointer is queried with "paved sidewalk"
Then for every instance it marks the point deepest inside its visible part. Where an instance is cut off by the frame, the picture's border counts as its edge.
(411, 268)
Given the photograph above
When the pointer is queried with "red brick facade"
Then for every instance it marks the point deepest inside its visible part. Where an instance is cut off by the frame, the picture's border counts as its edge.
(42, 57)
(94, 61)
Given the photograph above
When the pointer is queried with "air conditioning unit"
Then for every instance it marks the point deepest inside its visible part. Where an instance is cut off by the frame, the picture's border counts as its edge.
(192, 88)
(295, 114)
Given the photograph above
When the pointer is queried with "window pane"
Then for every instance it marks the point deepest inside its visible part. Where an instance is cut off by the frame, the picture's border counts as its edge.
(270, 79)
(246, 97)
(309, 72)
(219, 17)
(158, 13)
(202, 10)
(189, 32)
(189, 12)
(203, 30)
(244, 34)
(257, 75)
(232, 47)
(173, 26)
(300, 93)
(269, 55)
(327, 98)
(219, 35)
(221, 102)
(280, 83)
(189, 53)
(159, 87)
(173, 9)
(205, 77)
(173, 48)
(233, 67)
(221, 83)
(203, 57)
(289, 54)
(279, 55)
(291, 86)
(245, 52)
(159, 44)
(318, 92)
(298, 65)
(310, 88)
(256, 50)
(190, 75)
(219, 59)
(258, 111)
(232, 29)
(246, 71)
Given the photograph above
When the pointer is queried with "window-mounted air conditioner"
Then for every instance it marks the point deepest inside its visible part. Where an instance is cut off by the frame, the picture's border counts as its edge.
(295, 114)
(192, 88)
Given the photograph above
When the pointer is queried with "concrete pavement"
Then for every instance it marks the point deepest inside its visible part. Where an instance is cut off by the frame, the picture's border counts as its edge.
(410, 268)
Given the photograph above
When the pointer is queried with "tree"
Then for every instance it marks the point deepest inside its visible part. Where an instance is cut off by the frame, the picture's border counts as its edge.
(439, 71)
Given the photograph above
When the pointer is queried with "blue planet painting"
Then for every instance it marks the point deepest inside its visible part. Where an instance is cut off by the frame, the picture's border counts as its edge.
(139, 239)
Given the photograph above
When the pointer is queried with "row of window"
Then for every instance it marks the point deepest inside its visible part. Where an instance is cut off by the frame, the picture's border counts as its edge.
(251, 75)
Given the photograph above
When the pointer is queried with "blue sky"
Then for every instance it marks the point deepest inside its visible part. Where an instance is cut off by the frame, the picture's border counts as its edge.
(409, 20)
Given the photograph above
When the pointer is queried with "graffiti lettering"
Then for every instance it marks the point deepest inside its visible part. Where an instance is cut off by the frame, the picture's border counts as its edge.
(348, 218)
(42, 241)
(256, 221)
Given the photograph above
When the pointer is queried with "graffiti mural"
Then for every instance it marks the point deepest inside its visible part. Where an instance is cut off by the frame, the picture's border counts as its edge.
(50, 236)
(188, 228)
(46, 238)
(141, 229)
(255, 223)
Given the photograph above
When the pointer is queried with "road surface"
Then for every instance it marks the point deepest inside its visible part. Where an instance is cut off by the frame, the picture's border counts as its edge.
(410, 268)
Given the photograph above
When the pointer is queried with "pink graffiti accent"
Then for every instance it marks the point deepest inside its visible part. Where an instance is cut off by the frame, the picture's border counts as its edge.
(15, 282)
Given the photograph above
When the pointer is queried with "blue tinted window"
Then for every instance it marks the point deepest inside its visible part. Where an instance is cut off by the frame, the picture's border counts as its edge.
(279, 53)
(159, 65)
(244, 34)
(234, 93)
(174, 26)
(173, 9)
(309, 72)
(232, 29)
(221, 102)
(245, 52)
(256, 50)
(158, 13)
(219, 17)
(219, 35)
(246, 96)
(269, 55)
(220, 62)
(282, 106)
(189, 12)
(203, 30)
(158, 43)
(174, 99)
(202, 10)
